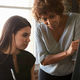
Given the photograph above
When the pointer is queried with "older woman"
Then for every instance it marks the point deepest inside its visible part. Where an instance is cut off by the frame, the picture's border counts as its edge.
(57, 38)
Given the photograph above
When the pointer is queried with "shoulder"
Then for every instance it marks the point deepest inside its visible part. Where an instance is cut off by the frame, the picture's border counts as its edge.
(27, 54)
(41, 26)
(26, 58)
(74, 16)
(31, 58)
(73, 19)
(41, 29)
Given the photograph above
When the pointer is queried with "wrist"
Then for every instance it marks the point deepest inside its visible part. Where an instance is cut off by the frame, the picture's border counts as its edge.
(68, 53)
(65, 53)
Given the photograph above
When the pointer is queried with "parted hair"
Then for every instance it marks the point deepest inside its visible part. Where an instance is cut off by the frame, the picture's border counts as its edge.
(41, 7)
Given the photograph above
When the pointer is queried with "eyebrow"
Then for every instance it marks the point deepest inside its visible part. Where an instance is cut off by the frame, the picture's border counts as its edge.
(44, 18)
(26, 33)
(51, 15)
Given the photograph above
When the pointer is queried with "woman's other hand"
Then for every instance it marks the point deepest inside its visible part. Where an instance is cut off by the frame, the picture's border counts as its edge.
(73, 47)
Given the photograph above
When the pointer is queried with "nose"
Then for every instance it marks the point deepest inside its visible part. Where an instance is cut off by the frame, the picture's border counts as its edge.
(48, 22)
(28, 39)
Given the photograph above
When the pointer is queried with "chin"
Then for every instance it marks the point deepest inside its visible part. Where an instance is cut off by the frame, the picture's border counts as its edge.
(52, 28)
(22, 48)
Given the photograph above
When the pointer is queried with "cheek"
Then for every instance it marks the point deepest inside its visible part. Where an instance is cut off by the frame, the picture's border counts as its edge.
(58, 20)
(19, 41)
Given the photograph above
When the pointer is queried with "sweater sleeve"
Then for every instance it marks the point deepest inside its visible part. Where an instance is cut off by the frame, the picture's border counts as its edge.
(41, 48)
(32, 60)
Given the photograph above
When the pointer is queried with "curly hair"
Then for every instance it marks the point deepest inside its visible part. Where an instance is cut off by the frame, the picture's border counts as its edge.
(41, 7)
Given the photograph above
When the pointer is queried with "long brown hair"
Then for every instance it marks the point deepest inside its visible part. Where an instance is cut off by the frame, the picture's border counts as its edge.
(12, 25)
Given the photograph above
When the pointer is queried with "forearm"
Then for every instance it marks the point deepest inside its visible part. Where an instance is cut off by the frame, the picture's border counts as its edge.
(50, 59)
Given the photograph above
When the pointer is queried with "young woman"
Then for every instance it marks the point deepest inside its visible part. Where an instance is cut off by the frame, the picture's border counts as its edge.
(13, 58)
(57, 38)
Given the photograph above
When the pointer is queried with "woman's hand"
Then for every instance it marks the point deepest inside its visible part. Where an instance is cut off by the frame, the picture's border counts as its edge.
(73, 47)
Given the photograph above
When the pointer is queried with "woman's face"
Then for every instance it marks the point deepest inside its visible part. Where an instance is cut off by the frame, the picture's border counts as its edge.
(22, 38)
(52, 20)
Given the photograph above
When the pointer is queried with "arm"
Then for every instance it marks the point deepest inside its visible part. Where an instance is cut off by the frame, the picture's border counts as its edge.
(32, 73)
(45, 57)
(50, 59)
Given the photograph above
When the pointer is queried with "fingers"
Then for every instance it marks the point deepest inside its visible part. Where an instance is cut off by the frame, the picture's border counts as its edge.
(75, 44)
(73, 47)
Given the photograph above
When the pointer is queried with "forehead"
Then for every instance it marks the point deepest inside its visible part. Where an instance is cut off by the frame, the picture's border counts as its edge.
(26, 29)
(47, 14)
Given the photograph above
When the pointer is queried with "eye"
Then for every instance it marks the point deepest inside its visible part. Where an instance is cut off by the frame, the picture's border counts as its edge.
(44, 19)
(24, 35)
(52, 16)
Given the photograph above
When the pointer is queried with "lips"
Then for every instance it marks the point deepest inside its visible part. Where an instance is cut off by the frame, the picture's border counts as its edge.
(53, 26)
(26, 45)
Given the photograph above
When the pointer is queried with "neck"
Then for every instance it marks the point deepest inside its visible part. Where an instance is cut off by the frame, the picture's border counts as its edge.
(13, 51)
(63, 20)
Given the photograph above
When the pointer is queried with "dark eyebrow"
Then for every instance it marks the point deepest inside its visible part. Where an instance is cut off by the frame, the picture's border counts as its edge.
(51, 15)
(25, 33)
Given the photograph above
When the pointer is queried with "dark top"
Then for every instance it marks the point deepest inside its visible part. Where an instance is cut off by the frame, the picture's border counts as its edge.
(25, 62)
